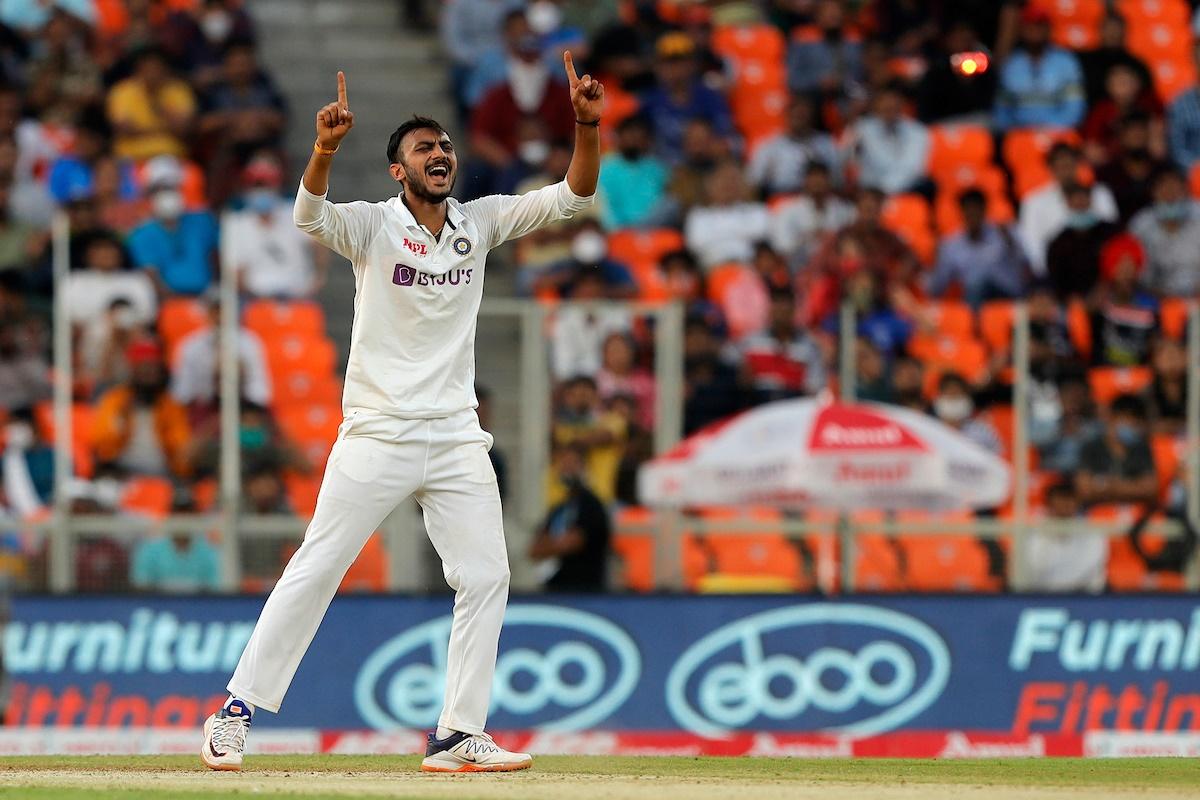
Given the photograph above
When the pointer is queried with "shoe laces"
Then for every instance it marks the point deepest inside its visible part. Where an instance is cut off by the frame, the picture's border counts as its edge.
(487, 741)
(229, 733)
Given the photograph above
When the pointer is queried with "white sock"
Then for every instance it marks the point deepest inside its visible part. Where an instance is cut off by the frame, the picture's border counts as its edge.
(250, 706)
(442, 732)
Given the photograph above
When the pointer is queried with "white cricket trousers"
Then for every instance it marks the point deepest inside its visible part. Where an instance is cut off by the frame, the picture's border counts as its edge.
(377, 462)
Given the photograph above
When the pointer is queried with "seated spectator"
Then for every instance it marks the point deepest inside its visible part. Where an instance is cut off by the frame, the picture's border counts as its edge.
(1169, 231)
(780, 164)
(1060, 433)
(785, 360)
(826, 55)
(891, 150)
(955, 406)
(580, 421)
(196, 370)
(1110, 52)
(1052, 354)
(1073, 257)
(1044, 212)
(877, 318)
(106, 277)
(27, 465)
(242, 113)
(1124, 320)
(798, 225)
(589, 264)
(273, 258)
(729, 223)
(713, 388)
(1117, 466)
(24, 371)
(1183, 128)
(104, 344)
(177, 564)
(679, 96)
(470, 28)
(1166, 397)
(620, 375)
(872, 383)
(984, 261)
(908, 383)
(1041, 85)
(178, 248)
(1131, 172)
(151, 111)
(263, 489)
(578, 333)
(945, 93)
(1125, 93)
(262, 444)
(120, 206)
(195, 38)
(73, 175)
(546, 245)
(533, 148)
(1062, 553)
(490, 68)
(138, 427)
(633, 182)
(21, 245)
(703, 150)
(101, 561)
(529, 90)
(571, 547)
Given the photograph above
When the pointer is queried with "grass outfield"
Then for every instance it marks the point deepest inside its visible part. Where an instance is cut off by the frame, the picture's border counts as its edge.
(596, 778)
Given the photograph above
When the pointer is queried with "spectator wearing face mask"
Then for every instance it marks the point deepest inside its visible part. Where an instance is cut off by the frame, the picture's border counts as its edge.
(177, 247)
(633, 182)
(1124, 319)
(273, 258)
(1073, 257)
(1169, 231)
(1044, 212)
(1062, 424)
(1062, 553)
(1117, 465)
(954, 406)
(533, 149)
(589, 257)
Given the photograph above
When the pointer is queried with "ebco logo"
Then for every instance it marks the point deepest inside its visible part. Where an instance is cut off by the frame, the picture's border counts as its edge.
(886, 669)
(560, 669)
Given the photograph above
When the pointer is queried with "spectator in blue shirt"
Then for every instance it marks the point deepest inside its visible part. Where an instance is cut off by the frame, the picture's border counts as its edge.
(825, 56)
(892, 150)
(1183, 128)
(72, 177)
(179, 564)
(177, 247)
(633, 182)
(1041, 86)
(984, 260)
(681, 96)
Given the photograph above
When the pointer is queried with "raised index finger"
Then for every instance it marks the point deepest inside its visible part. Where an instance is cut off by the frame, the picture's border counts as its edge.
(572, 76)
(342, 90)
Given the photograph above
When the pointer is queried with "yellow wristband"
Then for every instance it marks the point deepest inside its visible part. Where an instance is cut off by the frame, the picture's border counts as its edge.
(318, 149)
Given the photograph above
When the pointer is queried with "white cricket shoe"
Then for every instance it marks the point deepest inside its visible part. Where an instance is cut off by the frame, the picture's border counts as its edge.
(225, 738)
(465, 752)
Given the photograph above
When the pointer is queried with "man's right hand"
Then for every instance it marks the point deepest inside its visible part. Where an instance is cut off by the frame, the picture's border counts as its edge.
(335, 120)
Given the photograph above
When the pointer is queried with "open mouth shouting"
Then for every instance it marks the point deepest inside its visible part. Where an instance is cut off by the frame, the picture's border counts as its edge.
(439, 173)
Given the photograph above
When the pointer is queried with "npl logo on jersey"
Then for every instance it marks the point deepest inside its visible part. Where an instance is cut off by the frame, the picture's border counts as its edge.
(850, 668)
(559, 669)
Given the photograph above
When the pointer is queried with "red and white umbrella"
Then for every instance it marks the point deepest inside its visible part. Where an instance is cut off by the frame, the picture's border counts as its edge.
(800, 453)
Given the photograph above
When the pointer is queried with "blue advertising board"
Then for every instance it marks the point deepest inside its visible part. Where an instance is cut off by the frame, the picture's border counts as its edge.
(702, 665)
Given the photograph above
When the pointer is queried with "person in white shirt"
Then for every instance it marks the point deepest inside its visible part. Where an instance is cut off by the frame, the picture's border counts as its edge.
(410, 425)
(273, 258)
(799, 225)
(1062, 554)
(779, 165)
(892, 151)
(194, 374)
(1044, 212)
(106, 278)
(729, 224)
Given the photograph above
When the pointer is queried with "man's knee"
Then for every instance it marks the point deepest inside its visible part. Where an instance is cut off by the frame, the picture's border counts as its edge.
(485, 579)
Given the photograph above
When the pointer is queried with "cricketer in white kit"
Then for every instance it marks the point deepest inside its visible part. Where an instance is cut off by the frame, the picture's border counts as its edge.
(410, 426)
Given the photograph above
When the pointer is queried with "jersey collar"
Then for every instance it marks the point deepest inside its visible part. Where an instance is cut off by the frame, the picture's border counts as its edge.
(454, 214)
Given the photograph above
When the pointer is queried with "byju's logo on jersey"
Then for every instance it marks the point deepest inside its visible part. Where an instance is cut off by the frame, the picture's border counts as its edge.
(878, 670)
(405, 275)
(559, 669)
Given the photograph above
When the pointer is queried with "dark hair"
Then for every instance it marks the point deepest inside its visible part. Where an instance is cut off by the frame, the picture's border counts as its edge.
(636, 121)
(972, 195)
(816, 167)
(1063, 487)
(1130, 404)
(407, 127)
(1062, 148)
(1169, 172)
(579, 380)
(953, 379)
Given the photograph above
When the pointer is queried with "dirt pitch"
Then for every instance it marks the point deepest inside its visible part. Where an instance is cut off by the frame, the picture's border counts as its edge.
(600, 778)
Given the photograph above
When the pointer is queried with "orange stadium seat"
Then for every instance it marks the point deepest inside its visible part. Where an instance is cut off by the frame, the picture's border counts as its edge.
(300, 388)
(1173, 73)
(302, 492)
(948, 215)
(313, 428)
(1158, 39)
(1108, 383)
(178, 317)
(878, 561)
(633, 543)
(1141, 13)
(1168, 454)
(1075, 24)
(1079, 328)
(1025, 155)
(81, 433)
(908, 216)
(289, 354)
(1127, 572)
(642, 248)
(269, 318)
(950, 317)
(996, 324)
(964, 355)
(206, 494)
(954, 148)
(148, 496)
(369, 572)
(1173, 316)
(759, 112)
(756, 43)
(944, 562)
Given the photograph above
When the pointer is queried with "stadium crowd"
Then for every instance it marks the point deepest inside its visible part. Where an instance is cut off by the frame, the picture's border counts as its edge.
(928, 162)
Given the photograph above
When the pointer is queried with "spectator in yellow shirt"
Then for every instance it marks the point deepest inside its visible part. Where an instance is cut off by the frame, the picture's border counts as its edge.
(151, 111)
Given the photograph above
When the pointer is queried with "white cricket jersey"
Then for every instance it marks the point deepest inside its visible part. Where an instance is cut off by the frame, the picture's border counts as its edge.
(412, 345)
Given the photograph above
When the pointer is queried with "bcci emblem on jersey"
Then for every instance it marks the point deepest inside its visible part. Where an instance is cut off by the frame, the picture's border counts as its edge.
(462, 245)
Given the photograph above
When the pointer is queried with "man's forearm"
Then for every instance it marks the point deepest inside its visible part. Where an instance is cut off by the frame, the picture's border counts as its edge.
(316, 174)
(585, 161)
